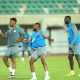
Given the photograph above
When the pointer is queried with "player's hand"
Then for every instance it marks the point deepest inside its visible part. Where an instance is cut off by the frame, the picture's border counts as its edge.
(16, 41)
(19, 40)
(49, 38)
(52, 40)
(26, 41)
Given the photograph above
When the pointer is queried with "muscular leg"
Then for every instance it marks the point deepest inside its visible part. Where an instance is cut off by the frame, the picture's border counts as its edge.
(44, 62)
(32, 60)
(71, 61)
(70, 57)
(29, 53)
(23, 53)
(13, 62)
(45, 67)
(78, 59)
(5, 59)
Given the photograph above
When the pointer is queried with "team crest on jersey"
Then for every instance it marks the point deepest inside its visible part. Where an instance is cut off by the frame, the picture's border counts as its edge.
(14, 30)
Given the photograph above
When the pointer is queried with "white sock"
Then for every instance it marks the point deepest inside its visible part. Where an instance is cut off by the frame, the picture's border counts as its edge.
(13, 71)
(47, 74)
(33, 74)
(72, 71)
(10, 69)
(22, 58)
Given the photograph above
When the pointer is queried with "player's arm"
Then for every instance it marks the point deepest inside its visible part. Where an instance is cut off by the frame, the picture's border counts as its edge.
(2, 34)
(27, 39)
(74, 30)
(49, 38)
(19, 40)
(22, 35)
(23, 40)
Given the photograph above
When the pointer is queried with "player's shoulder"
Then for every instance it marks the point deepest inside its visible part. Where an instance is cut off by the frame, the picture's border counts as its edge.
(19, 28)
(43, 32)
(72, 24)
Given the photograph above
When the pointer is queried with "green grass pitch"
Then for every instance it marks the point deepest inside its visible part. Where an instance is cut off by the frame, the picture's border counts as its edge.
(58, 68)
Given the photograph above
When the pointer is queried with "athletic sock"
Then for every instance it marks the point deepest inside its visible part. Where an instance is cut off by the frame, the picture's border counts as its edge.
(33, 74)
(13, 71)
(47, 74)
(72, 71)
(10, 69)
(22, 58)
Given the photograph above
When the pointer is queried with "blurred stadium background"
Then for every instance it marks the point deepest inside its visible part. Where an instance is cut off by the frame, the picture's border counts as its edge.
(50, 13)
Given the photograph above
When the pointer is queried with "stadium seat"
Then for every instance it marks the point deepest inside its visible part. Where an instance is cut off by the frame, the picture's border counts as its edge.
(36, 6)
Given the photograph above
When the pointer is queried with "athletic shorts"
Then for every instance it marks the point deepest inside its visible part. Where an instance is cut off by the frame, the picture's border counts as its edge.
(25, 48)
(37, 52)
(75, 49)
(13, 51)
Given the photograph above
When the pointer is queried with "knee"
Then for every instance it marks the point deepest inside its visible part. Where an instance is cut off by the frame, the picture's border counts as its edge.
(5, 58)
(43, 62)
(31, 62)
(70, 57)
(13, 59)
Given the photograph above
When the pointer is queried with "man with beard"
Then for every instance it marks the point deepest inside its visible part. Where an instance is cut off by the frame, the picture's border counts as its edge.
(38, 47)
(74, 44)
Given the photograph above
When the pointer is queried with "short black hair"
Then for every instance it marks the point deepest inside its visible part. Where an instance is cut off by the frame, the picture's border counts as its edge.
(68, 17)
(14, 19)
(39, 25)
